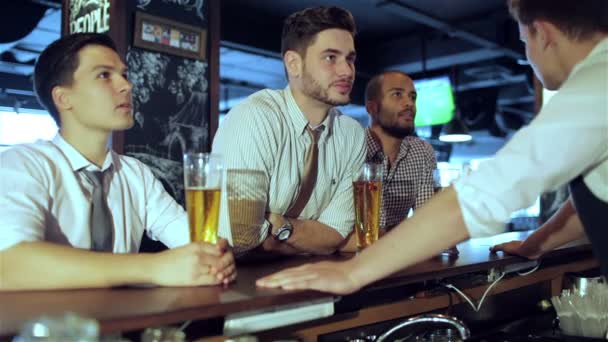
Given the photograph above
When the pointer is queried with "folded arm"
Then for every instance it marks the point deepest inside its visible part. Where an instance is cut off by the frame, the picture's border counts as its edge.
(43, 265)
(308, 236)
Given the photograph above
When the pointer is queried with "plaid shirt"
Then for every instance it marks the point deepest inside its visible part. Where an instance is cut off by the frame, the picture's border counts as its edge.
(408, 184)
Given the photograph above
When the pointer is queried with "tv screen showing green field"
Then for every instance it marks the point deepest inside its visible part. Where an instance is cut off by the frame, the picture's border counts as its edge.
(435, 102)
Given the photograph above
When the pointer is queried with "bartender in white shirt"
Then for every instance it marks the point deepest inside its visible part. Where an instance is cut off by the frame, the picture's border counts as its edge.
(567, 143)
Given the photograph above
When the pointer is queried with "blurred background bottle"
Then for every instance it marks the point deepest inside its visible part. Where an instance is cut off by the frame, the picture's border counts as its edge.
(69, 327)
(163, 334)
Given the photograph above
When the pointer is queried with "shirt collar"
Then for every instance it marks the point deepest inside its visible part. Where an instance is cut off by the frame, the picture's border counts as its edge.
(76, 159)
(373, 144)
(298, 119)
(600, 48)
(374, 147)
(294, 114)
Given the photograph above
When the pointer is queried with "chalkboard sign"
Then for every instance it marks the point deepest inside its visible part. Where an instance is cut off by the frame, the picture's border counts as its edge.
(170, 89)
(89, 16)
(170, 100)
(190, 12)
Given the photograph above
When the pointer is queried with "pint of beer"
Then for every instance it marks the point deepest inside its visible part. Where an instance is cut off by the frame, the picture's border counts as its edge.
(367, 187)
(202, 182)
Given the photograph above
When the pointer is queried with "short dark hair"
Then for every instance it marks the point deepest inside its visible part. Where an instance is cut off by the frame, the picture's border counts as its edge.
(58, 62)
(300, 28)
(373, 89)
(578, 19)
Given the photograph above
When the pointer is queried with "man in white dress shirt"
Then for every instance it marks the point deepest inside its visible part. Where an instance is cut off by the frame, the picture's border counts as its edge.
(50, 203)
(268, 135)
(567, 143)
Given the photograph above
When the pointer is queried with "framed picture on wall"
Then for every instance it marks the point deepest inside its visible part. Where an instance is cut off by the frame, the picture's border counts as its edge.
(168, 36)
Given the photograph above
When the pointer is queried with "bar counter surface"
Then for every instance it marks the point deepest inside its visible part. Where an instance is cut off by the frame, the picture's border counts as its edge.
(132, 308)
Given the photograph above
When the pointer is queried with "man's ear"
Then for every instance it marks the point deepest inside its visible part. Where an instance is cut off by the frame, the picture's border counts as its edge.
(372, 108)
(293, 63)
(545, 32)
(61, 98)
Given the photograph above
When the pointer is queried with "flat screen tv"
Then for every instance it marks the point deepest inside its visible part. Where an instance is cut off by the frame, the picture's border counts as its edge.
(435, 102)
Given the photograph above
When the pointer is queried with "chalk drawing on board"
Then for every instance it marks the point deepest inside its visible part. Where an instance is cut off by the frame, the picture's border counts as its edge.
(188, 5)
(160, 138)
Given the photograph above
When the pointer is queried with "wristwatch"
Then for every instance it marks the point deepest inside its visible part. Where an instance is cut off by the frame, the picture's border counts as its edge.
(284, 232)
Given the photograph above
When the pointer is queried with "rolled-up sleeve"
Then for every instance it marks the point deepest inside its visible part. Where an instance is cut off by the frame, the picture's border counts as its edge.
(166, 220)
(568, 138)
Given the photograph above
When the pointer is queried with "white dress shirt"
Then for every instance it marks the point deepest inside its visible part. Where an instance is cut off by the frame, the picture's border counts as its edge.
(45, 197)
(568, 138)
(266, 135)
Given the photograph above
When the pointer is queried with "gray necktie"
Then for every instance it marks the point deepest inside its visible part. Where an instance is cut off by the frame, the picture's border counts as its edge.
(101, 218)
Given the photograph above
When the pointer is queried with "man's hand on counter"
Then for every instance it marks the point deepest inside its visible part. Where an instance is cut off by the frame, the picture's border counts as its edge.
(191, 265)
(326, 276)
(564, 226)
(197, 263)
(516, 247)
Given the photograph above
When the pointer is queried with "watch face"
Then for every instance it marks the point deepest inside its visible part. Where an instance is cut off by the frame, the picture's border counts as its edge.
(284, 233)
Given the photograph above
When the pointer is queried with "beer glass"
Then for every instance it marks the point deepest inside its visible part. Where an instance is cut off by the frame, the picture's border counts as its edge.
(367, 187)
(203, 174)
(442, 179)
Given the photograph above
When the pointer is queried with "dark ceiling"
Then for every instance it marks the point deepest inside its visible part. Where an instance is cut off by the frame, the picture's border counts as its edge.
(475, 42)
(472, 41)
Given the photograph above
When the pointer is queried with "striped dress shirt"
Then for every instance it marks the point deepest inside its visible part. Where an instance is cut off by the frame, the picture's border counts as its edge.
(263, 141)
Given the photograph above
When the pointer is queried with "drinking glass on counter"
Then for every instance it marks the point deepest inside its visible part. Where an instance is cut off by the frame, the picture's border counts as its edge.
(442, 179)
(203, 174)
(367, 187)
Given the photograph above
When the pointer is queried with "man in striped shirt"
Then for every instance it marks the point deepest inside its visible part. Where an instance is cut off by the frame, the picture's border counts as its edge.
(266, 139)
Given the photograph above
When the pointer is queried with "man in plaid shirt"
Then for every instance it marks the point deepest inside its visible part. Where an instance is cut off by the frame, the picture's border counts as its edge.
(390, 100)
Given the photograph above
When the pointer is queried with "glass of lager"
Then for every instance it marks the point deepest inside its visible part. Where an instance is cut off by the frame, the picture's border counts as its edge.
(367, 187)
(203, 174)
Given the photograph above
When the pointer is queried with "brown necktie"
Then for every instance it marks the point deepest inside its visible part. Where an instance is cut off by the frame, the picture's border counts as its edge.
(102, 229)
(309, 177)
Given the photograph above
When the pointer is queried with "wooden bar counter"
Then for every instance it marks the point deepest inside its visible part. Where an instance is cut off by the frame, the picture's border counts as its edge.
(129, 309)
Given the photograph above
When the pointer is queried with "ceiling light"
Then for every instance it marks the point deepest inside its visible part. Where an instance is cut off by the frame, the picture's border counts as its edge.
(455, 131)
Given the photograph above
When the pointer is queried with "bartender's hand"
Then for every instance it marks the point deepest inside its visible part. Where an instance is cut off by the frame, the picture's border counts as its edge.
(516, 247)
(197, 263)
(326, 276)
